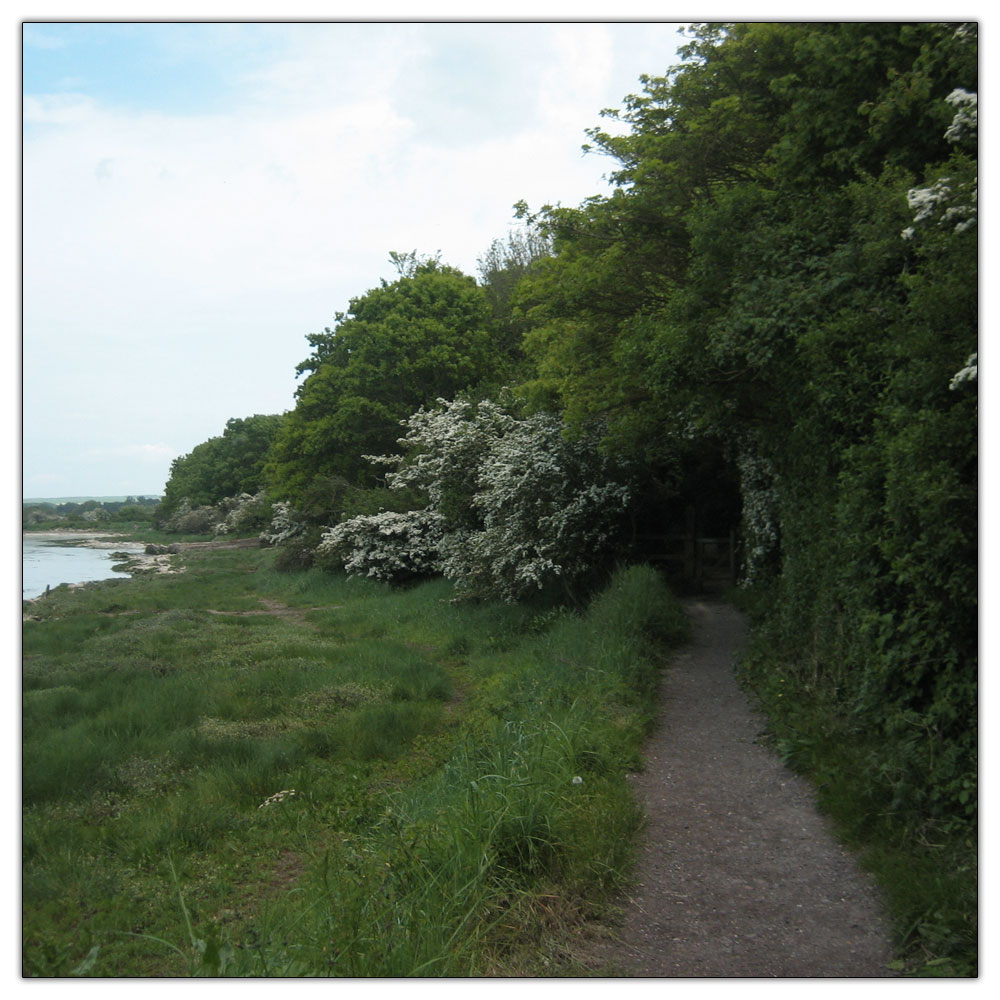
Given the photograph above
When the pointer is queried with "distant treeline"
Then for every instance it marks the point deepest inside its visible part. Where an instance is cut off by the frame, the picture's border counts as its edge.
(129, 508)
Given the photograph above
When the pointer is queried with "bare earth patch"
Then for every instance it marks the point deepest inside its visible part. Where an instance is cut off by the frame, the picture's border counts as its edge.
(275, 609)
(739, 875)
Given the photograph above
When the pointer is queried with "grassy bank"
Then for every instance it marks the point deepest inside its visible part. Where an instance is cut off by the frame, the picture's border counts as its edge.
(237, 771)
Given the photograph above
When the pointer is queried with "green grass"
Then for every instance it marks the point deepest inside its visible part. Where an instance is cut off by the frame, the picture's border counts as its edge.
(453, 773)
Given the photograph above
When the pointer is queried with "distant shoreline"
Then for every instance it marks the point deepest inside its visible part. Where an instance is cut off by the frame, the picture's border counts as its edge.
(92, 537)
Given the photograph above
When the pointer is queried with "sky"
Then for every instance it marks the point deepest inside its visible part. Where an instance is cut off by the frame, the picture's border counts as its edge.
(198, 197)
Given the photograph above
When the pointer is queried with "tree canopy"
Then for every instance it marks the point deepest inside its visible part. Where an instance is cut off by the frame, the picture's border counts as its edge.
(399, 346)
(224, 466)
(786, 272)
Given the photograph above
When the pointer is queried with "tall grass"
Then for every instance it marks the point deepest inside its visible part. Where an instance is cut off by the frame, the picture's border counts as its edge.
(372, 783)
(530, 807)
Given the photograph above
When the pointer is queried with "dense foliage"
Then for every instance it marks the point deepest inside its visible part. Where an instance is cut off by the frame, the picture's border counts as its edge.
(398, 347)
(787, 272)
(788, 267)
(85, 513)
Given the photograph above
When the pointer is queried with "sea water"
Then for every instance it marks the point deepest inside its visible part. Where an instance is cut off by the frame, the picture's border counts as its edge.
(47, 562)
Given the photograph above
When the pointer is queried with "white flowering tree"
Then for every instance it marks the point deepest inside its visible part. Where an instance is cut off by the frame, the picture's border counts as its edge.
(550, 511)
(514, 505)
(442, 452)
(951, 202)
(243, 513)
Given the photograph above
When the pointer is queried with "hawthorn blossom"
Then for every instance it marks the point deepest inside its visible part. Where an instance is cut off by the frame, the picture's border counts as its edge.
(970, 373)
(950, 202)
(965, 124)
(514, 503)
(386, 546)
(284, 525)
(238, 511)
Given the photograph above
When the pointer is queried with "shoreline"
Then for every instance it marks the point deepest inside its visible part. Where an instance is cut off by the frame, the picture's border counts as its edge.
(136, 562)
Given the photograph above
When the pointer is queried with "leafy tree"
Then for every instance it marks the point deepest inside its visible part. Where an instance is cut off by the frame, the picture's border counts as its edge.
(224, 466)
(767, 120)
(501, 270)
(398, 347)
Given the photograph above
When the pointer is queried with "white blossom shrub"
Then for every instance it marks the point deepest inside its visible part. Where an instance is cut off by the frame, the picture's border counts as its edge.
(970, 373)
(189, 520)
(514, 505)
(284, 525)
(387, 546)
(965, 124)
(242, 513)
(550, 510)
(950, 202)
(760, 513)
(443, 450)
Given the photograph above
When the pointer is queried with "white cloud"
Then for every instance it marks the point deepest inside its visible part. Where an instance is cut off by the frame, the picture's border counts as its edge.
(37, 38)
(342, 63)
(202, 206)
(575, 84)
(65, 108)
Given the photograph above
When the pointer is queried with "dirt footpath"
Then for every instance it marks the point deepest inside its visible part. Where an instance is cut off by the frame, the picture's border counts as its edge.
(740, 876)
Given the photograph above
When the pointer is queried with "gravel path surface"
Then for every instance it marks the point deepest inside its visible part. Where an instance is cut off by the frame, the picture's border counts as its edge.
(740, 875)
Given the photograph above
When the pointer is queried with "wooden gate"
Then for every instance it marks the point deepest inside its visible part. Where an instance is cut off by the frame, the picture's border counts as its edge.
(699, 561)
